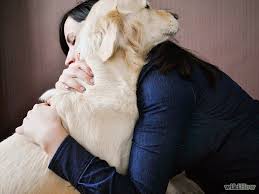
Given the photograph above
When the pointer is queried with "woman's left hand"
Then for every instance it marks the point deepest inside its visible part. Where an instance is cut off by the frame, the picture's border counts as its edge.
(43, 126)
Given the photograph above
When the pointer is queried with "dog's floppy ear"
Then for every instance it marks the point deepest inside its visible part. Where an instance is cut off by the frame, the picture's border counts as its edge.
(111, 29)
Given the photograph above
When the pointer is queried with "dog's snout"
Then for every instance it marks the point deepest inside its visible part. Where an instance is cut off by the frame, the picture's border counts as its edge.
(175, 15)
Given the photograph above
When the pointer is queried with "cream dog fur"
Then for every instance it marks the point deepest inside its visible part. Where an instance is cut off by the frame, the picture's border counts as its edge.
(115, 37)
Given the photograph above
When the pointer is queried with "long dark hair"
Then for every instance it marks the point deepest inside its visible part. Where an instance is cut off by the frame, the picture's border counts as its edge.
(78, 13)
(167, 55)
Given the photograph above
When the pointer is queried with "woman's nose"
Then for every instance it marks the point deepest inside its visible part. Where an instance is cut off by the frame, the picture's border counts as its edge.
(69, 60)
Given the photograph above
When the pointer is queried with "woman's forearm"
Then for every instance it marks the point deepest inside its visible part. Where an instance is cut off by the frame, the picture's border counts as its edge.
(89, 174)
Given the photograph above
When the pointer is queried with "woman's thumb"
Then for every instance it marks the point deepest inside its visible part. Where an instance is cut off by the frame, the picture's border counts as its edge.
(19, 130)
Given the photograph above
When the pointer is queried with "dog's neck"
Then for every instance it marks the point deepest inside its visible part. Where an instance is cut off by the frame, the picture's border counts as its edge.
(122, 69)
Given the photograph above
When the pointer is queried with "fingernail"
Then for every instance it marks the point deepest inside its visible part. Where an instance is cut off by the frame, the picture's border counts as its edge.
(66, 87)
(88, 69)
(82, 89)
(92, 81)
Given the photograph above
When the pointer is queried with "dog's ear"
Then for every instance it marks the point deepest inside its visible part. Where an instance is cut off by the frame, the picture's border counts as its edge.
(108, 45)
(111, 29)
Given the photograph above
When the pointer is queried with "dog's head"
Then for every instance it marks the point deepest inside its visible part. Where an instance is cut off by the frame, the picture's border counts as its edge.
(130, 25)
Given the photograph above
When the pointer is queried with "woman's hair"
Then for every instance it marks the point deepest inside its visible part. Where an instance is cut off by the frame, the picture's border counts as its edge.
(78, 13)
(166, 55)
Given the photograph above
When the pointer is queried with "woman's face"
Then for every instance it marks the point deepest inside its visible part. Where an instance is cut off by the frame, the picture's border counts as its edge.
(71, 30)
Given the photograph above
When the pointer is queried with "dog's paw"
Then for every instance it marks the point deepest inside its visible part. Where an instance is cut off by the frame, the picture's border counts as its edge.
(46, 96)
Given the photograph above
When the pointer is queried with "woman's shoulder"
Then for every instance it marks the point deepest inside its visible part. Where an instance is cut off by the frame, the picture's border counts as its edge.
(151, 74)
(155, 86)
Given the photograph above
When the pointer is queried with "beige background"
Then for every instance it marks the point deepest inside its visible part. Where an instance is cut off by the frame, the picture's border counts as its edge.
(224, 32)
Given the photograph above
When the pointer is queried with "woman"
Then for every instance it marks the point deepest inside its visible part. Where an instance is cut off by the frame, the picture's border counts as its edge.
(193, 117)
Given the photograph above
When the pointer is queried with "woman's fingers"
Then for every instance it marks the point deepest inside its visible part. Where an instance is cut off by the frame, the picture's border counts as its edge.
(61, 86)
(29, 114)
(19, 130)
(79, 70)
(67, 80)
(75, 73)
(34, 107)
(71, 83)
(88, 71)
(78, 73)
(82, 66)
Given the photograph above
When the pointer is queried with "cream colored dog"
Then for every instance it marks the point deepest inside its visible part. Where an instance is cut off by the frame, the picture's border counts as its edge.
(116, 37)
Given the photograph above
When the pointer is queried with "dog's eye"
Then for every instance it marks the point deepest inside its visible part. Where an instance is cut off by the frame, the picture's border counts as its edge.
(147, 6)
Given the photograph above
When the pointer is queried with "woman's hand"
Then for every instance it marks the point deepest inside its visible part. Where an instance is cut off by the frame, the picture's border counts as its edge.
(43, 126)
(78, 69)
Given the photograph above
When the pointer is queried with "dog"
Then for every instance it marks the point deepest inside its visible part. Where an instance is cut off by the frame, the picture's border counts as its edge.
(116, 38)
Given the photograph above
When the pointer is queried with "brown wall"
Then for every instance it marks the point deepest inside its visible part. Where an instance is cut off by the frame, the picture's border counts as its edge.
(224, 32)
(30, 56)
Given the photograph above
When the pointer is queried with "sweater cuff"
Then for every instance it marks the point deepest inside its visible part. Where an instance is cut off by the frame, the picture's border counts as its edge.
(70, 160)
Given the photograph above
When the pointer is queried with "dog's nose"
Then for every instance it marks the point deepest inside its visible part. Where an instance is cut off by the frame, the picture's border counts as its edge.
(175, 15)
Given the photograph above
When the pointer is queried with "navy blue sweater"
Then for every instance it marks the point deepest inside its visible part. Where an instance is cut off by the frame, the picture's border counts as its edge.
(212, 134)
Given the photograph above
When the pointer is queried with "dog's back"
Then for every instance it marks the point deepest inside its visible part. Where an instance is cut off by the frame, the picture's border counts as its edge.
(24, 169)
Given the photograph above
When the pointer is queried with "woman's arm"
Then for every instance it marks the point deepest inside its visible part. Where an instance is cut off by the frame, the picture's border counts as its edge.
(165, 104)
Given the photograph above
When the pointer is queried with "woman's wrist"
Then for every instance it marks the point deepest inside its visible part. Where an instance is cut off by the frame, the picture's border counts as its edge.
(51, 146)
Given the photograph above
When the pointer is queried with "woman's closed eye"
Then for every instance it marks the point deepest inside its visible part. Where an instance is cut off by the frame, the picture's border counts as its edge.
(71, 39)
(147, 6)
